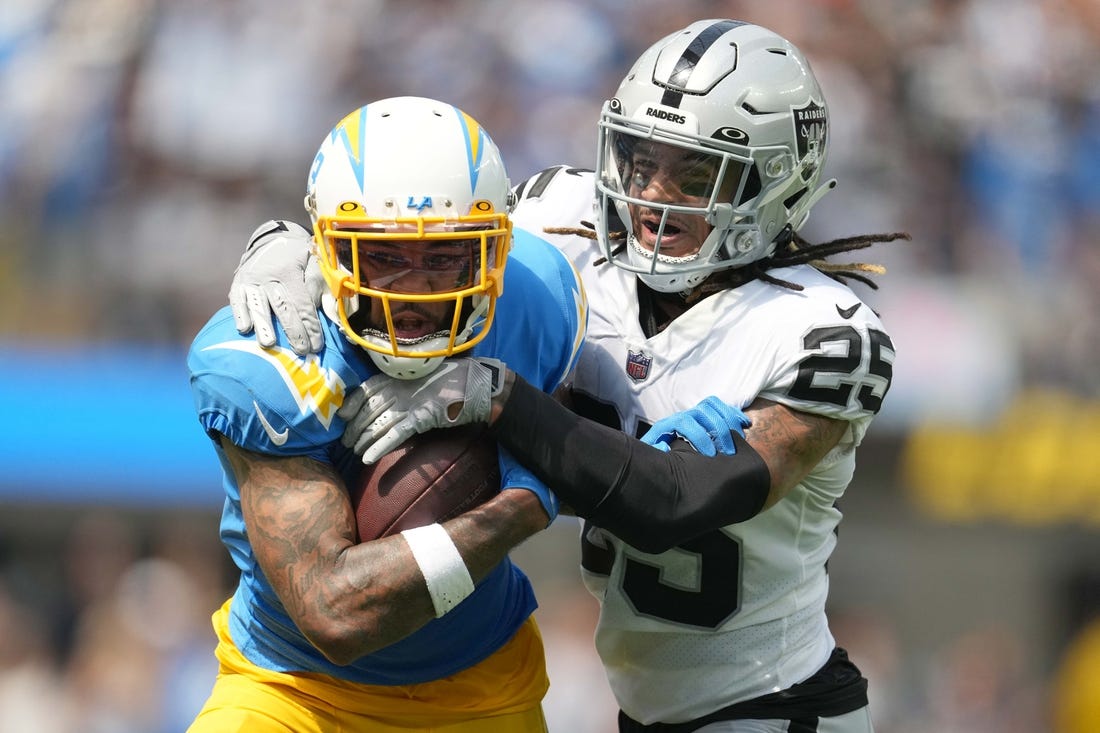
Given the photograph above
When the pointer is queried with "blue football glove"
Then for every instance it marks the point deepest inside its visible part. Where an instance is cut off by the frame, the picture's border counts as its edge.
(708, 427)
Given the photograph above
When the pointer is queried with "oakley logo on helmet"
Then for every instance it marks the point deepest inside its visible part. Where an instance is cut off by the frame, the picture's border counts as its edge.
(731, 134)
(663, 115)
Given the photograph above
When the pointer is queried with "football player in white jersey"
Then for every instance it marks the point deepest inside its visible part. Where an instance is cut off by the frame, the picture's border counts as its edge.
(710, 569)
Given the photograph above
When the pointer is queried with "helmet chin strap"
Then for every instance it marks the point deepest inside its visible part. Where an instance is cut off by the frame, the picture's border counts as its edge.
(330, 308)
(406, 367)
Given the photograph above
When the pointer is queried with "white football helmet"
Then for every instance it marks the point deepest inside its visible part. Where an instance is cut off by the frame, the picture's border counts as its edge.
(740, 108)
(410, 206)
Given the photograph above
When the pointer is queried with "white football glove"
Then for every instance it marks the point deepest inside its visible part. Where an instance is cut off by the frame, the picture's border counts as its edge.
(279, 274)
(383, 412)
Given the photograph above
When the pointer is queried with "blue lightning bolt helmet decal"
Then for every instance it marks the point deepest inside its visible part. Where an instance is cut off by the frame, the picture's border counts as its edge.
(351, 131)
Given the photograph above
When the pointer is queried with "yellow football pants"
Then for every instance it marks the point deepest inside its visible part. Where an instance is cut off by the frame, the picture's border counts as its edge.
(502, 694)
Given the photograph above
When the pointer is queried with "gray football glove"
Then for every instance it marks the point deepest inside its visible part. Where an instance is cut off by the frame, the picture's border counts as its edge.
(279, 274)
(383, 412)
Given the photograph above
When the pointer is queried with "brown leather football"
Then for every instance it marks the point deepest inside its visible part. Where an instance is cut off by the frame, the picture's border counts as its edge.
(431, 477)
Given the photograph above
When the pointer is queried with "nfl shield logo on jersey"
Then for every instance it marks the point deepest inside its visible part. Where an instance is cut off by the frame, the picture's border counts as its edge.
(637, 365)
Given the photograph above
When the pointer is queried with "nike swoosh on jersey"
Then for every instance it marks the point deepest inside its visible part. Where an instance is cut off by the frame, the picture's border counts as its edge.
(276, 437)
(848, 312)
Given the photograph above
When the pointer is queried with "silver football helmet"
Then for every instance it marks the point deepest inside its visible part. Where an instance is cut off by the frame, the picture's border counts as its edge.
(710, 151)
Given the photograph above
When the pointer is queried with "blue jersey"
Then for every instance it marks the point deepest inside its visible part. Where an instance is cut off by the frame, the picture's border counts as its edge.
(275, 402)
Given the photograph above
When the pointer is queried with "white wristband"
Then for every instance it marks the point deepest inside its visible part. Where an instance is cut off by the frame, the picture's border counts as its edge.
(444, 570)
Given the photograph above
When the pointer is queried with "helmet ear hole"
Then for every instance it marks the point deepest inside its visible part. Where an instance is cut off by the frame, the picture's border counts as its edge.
(794, 198)
(752, 186)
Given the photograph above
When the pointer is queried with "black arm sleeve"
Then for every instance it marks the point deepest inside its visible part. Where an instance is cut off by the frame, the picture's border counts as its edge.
(650, 499)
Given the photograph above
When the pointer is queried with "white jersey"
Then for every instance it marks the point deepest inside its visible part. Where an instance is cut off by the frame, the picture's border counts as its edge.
(740, 612)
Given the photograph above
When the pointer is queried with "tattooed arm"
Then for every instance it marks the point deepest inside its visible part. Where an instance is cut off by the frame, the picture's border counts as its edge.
(351, 599)
(790, 442)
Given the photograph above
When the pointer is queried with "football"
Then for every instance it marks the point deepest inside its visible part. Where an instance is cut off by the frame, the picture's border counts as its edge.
(431, 477)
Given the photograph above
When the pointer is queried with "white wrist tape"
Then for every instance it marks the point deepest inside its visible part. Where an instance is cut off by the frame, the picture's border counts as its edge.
(444, 570)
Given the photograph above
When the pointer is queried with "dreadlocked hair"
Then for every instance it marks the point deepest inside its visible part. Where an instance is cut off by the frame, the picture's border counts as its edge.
(794, 250)
(791, 250)
(587, 230)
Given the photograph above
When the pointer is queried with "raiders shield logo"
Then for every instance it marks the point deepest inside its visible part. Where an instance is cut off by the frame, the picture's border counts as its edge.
(810, 129)
(637, 365)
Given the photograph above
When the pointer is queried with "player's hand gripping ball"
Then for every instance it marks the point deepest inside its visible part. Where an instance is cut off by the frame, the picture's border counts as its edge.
(431, 477)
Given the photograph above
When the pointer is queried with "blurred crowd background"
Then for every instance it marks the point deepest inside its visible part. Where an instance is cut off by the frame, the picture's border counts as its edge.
(141, 142)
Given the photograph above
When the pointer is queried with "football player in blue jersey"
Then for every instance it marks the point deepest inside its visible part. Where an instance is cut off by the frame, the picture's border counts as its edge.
(429, 629)
(709, 566)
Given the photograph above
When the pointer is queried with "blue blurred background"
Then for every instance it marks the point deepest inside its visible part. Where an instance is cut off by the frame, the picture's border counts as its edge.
(141, 142)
